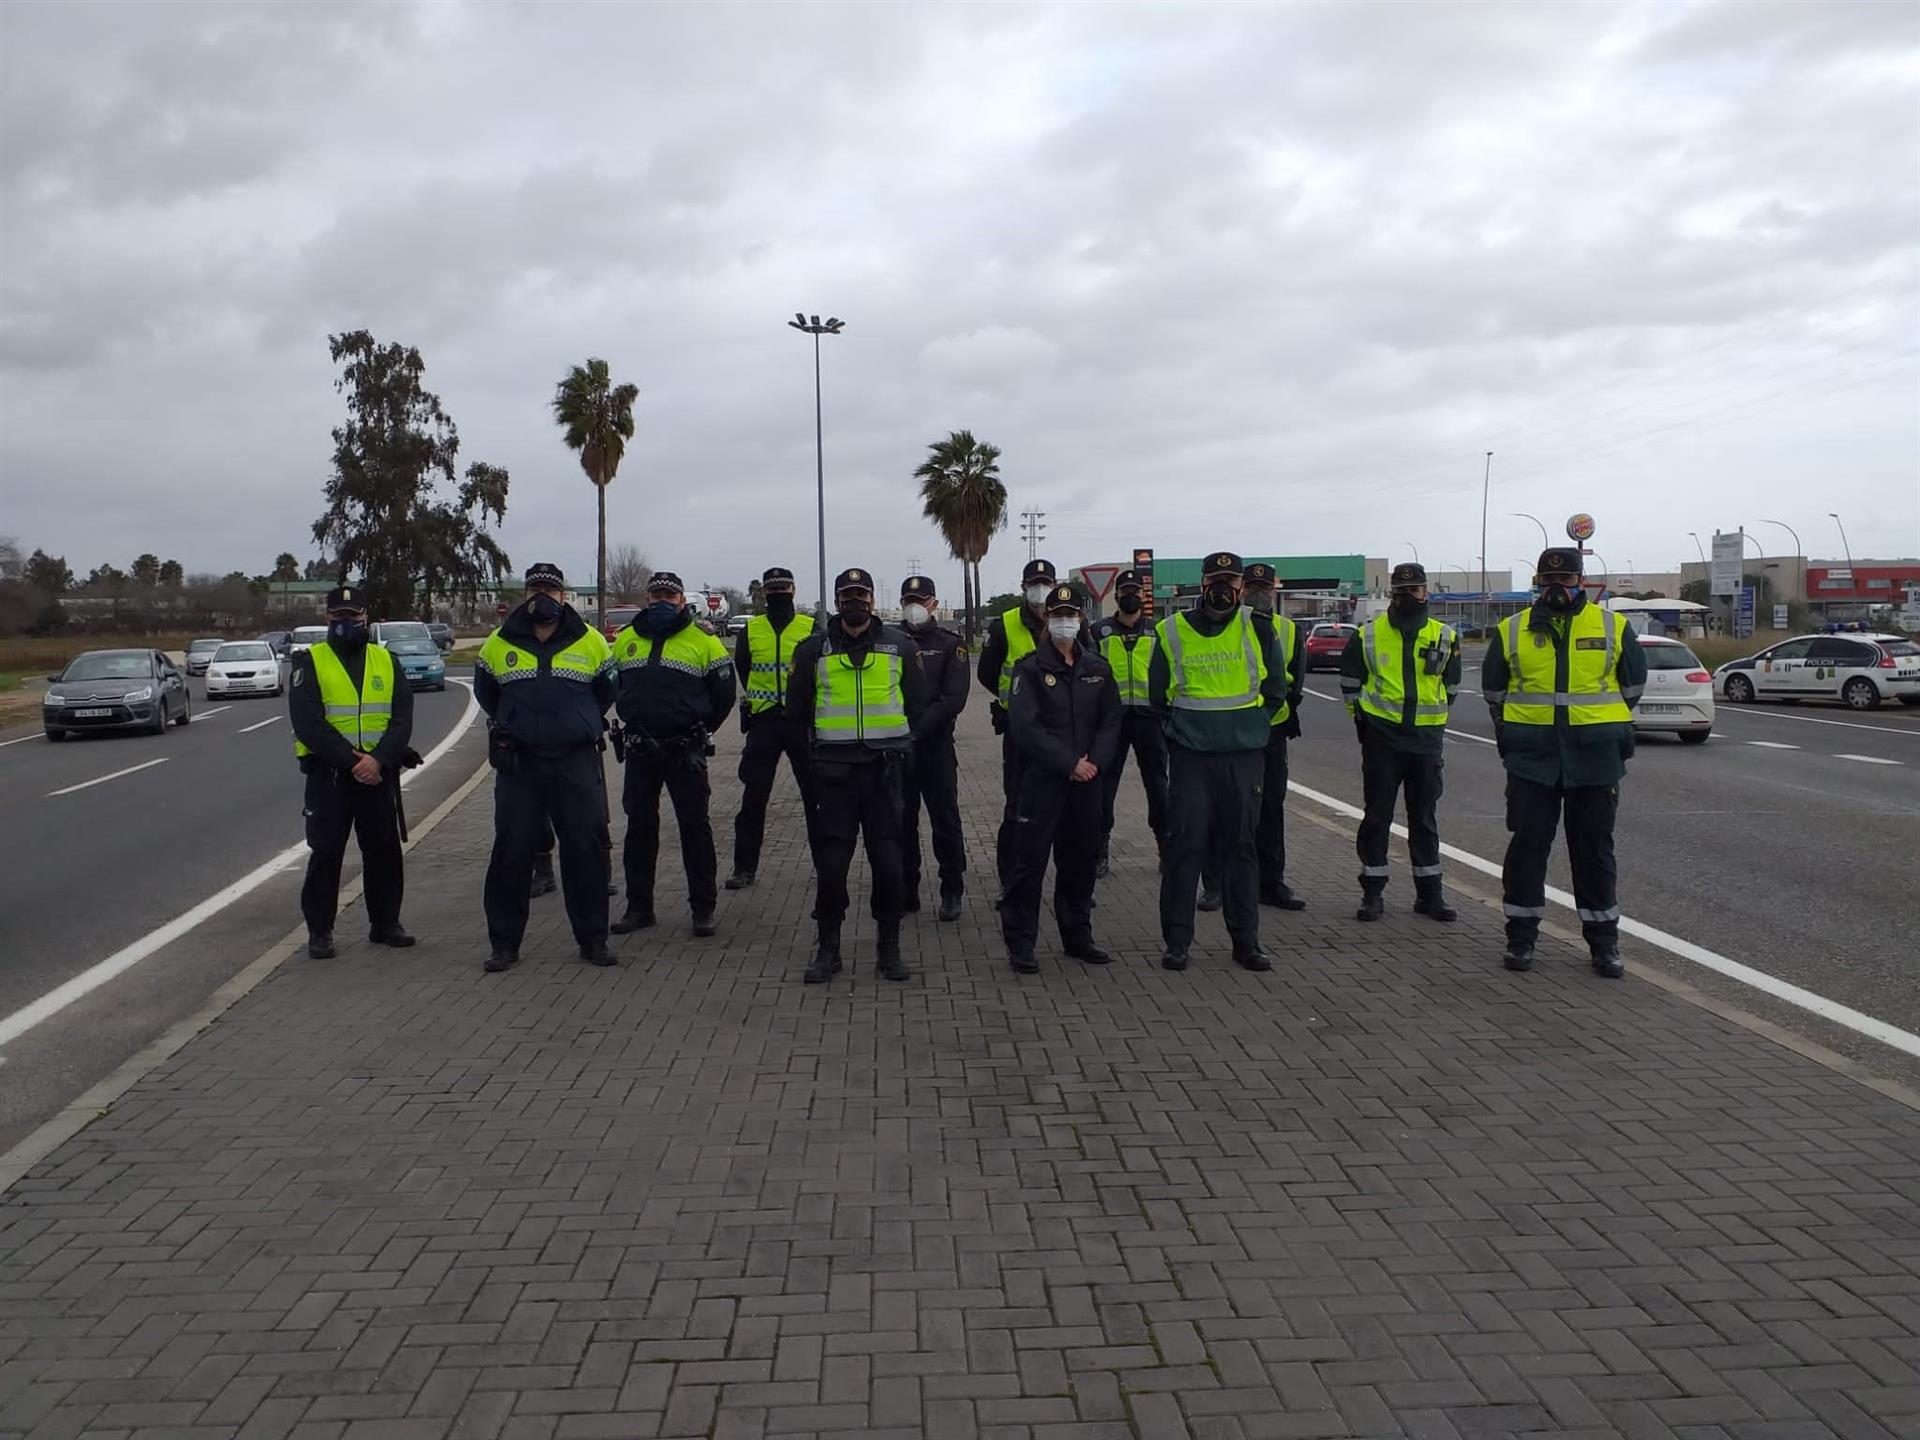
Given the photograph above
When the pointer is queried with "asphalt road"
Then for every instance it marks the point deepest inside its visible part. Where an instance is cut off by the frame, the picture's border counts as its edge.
(87, 871)
(1787, 842)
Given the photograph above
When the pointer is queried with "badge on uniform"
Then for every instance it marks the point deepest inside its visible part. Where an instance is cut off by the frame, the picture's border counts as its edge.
(961, 651)
(513, 658)
(378, 683)
(1539, 640)
(1050, 680)
(299, 677)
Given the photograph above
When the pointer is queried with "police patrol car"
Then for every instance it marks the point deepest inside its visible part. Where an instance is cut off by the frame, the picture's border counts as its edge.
(1861, 670)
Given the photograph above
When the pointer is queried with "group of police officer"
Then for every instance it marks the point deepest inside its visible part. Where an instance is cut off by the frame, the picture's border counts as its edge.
(1205, 702)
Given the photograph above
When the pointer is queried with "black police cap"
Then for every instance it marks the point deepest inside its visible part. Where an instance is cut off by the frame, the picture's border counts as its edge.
(545, 572)
(1406, 575)
(1128, 580)
(1223, 562)
(346, 597)
(665, 580)
(1560, 560)
(1260, 573)
(777, 575)
(1064, 597)
(852, 580)
(916, 587)
(1038, 570)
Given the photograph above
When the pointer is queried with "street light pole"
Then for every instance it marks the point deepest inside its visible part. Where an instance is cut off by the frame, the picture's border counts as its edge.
(1414, 548)
(1486, 486)
(1799, 554)
(1545, 543)
(811, 325)
(1845, 548)
(1697, 545)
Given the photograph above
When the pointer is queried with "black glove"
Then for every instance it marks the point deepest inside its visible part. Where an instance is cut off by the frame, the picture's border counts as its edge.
(745, 717)
(998, 715)
(1292, 728)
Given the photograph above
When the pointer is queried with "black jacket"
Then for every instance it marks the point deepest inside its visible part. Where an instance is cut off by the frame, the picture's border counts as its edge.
(993, 649)
(944, 659)
(1060, 712)
(802, 688)
(548, 716)
(666, 704)
(307, 713)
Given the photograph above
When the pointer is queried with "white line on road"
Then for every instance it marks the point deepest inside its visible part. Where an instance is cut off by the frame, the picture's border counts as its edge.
(216, 710)
(259, 725)
(1726, 708)
(1826, 1009)
(1453, 734)
(1771, 744)
(1869, 759)
(22, 740)
(124, 959)
(89, 784)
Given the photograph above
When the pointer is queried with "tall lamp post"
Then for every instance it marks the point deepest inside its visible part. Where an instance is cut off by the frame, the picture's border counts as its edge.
(1545, 543)
(1697, 545)
(812, 325)
(1414, 548)
(1486, 486)
(1853, 582)
(1799, 554)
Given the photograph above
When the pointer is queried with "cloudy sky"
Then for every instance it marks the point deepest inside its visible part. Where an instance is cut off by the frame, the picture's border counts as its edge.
(1275, 277)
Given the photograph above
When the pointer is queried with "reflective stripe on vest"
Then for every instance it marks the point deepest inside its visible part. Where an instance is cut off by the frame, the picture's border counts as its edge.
(1019, 643)
(1131, 664)
(1213, 672)
(856, 704)
(584, 661)
(1288, 634)
(770, 659)
(1592, 696)
(362, 716)
(1384, 694)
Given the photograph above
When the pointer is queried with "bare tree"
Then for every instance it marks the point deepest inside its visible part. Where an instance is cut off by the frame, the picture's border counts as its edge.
(627, 575)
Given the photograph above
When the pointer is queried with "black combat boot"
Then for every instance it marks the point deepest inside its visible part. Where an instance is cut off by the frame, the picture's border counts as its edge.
(1431, 901)
(887, 953)
(826, 957)
(1373, 904)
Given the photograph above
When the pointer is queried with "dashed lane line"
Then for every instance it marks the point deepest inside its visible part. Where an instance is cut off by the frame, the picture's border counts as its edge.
(115, 775)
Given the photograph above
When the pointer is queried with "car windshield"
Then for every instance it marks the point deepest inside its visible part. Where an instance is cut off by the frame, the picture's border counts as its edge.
(1670, 657)
(309, 634)
(204, 647)
(413, 647)
(246, 650)
(392, 630)
(109, 665)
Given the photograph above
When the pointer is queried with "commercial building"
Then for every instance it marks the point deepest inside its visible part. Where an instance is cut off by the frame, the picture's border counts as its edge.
(1311, 585)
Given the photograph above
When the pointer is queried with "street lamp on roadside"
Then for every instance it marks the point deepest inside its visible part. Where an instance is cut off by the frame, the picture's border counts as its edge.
(1799, 554)
(1486, 485)
(813, 325)
(1696, 545)
(1845, 548)
(1414, 548)
(1545, 543)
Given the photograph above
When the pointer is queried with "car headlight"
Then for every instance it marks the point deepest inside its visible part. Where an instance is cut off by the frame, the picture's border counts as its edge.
(53, 699)
(135, 697)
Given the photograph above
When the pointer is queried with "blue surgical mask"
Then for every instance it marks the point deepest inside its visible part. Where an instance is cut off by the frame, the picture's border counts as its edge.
(661, 616)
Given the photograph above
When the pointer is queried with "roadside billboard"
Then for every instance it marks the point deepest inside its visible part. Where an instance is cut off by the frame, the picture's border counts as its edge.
(1729, 551)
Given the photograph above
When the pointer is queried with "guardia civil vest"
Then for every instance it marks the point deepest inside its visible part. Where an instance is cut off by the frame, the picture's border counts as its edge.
(1213, 672)
(1385, 694)
(581, 661)
(770, 657)
(1288, 634)
(1131, 663)
(1019, 643)
(361, 715)
(861, 704)
(1592, 696)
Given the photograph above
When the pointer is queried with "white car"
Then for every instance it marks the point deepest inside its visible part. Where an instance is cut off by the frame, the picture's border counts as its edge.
(1678, 699)
(1861, 670)
(244, 667)
(305, 637)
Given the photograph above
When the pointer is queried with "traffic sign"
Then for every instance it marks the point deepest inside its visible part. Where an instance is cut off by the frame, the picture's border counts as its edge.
(1100, 579)
(714, 603)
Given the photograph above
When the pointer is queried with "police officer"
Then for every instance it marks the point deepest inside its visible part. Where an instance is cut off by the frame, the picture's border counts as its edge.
(935, 775)
(545, 679)
(763, 657)
(858, 692)
(676, 689)
(1561, 679)
(1215, 684)
(1399, 674)
(1064, 718)
(1262, 590)
(1010, 637)
(352, 719)
(1126, 643)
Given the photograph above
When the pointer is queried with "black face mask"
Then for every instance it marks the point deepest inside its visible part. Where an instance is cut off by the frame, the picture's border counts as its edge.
(1559, 599)
(1408, 608)
(1221, 599)
(1261, 601)
(856, 612)
(779, 605)
(543, 609)
(1130, 604)
(347, 632)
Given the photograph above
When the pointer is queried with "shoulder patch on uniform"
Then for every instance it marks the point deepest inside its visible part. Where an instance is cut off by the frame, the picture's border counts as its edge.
(1016, 682)
(1050, 680)
(961, 651)
(513, 658)
(299, 677)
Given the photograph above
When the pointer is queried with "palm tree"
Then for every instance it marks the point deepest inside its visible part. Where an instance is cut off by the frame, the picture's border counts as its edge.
(961, 492)
(598, 418)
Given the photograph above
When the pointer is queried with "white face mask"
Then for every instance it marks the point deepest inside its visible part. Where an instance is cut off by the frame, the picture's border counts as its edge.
(1063, 629)
(1037, 594)
(917, 614)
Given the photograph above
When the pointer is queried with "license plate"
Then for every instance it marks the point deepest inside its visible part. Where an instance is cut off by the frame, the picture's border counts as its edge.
(1659, 709)
(91, 714)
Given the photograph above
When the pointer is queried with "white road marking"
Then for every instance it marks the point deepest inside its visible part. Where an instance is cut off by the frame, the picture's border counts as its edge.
(1869, 759)
(124, 959)
(22, 740)
(1753, 712)
(1771, 744)
(1832, 1010)
(1465, 735)
(216, 710)
(260, 725)
(89, 784)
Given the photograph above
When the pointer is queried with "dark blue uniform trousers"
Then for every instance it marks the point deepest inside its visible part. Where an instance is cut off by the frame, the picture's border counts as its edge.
(567, 791)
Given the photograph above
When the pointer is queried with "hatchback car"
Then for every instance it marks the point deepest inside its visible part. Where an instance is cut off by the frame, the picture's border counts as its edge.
(280, 640)
(305, 637)
(200, 655)
(1678, 699)
(1861, 670)
(618, 618)
(116, 690)
(1326, 643)
(442, 636)
(244, 667)
(420, 662)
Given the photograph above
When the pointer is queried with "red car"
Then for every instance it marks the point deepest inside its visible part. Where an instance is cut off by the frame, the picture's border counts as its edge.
(1326, 643)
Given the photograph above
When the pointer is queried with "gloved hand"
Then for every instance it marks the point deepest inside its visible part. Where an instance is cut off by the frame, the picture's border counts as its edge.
(1292, 728)
(745, 717)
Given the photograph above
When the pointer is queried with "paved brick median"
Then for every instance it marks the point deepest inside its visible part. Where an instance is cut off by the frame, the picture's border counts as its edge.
(1387, 1189)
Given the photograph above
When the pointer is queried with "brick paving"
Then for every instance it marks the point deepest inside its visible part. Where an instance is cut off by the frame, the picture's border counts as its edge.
(1385, 1190)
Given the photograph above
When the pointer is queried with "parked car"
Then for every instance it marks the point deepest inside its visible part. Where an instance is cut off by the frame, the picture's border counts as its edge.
(1326, 643)
(387, 631)
(737, 626)
(280, 640)
(305, 637)
(420, 662)
(1678, 699)
(200, 654)
(116, 690)
(618, 618)
(244, 667)
(442, 636)
(1861, 670)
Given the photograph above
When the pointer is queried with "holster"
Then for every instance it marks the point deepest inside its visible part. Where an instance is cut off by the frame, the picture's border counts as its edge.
(998, 714)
